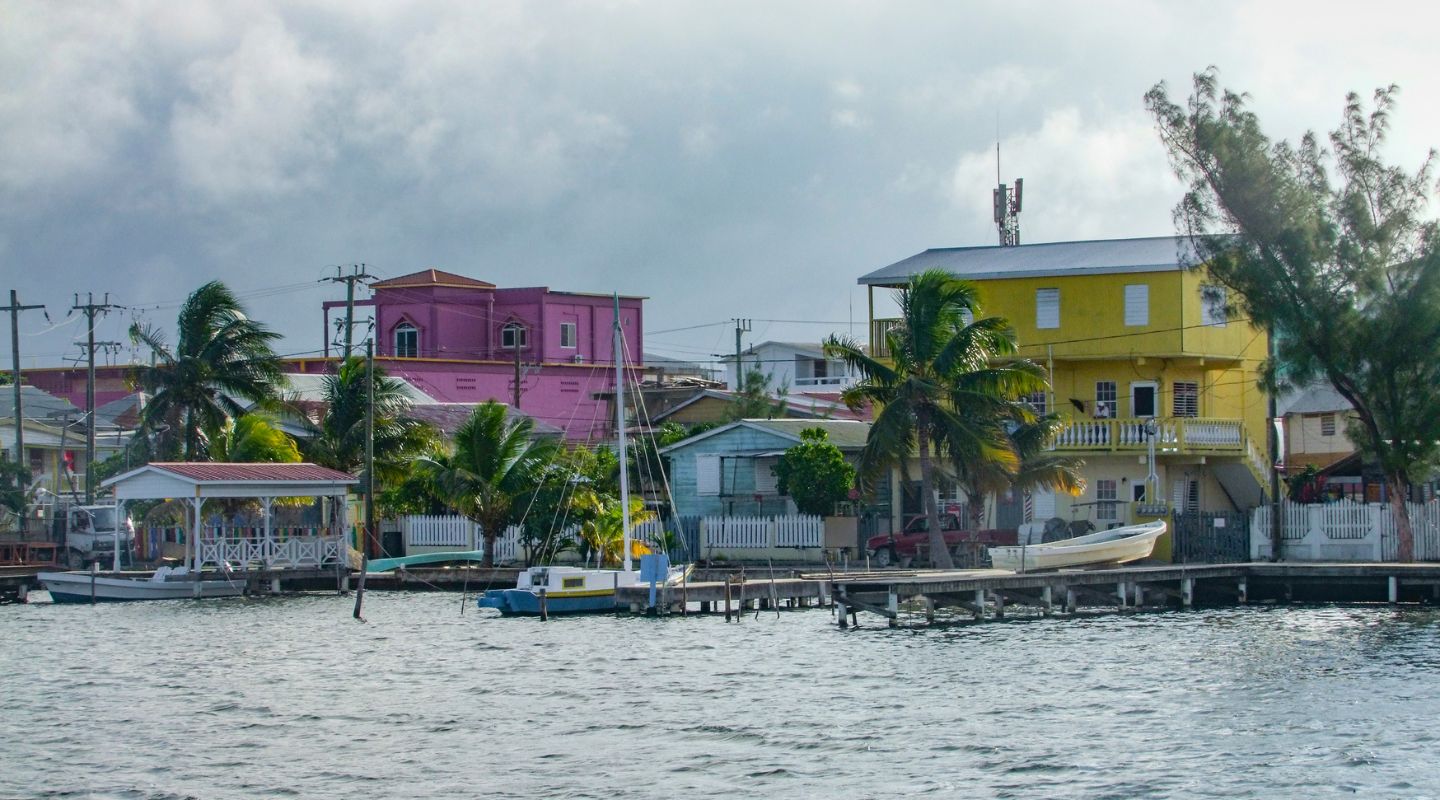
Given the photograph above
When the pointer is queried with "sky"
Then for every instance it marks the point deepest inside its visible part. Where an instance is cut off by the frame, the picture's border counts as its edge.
(738, 159)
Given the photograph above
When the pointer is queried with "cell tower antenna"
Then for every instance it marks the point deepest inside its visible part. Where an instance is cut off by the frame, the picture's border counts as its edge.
(1006, 200)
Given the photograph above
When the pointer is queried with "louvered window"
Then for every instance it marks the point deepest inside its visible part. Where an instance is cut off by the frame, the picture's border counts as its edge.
(765, 480)
(1137, 304)
(1047, 308)
(1187, 399)
(1327, 424)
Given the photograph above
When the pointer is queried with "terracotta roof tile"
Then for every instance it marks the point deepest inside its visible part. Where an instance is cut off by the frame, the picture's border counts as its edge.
(431, 277)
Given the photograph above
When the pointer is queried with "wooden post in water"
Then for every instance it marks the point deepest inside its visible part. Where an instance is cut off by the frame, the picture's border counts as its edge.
(1187, 592)
(892, 604)
(685, 593)
(1046, 600)
(999, 606)
(544, 607)
(1071, 604)
(94, 571)
(1392, 585)
(1243, 590)
(727, 598)
(979, 604)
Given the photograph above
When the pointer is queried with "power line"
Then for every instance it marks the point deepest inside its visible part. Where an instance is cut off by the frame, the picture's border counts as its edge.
(90, 308)
(15, 308)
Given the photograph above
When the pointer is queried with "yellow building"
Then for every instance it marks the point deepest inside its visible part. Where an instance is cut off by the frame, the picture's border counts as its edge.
(1141, 355)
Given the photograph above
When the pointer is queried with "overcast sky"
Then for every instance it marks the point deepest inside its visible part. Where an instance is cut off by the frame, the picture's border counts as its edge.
(724, 159)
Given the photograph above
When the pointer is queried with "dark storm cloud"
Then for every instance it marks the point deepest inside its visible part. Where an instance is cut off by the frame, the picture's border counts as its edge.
(725, 160)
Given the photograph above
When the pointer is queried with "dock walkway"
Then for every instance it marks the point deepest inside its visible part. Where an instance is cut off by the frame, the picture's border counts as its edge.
(988, 593)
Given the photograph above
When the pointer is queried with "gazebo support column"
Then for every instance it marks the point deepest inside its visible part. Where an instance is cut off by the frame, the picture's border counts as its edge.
(266, 503)
(119, 531)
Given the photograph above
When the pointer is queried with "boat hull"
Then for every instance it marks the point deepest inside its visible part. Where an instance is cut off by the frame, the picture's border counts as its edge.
(524, 602)
(1118, 546)
(75, 587)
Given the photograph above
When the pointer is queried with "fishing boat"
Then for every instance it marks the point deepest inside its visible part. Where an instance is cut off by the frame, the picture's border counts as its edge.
(165, 584)
(1115, 546)
(545, 590)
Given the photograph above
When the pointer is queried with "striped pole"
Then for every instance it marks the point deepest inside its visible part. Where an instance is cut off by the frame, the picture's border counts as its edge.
(1029, 506)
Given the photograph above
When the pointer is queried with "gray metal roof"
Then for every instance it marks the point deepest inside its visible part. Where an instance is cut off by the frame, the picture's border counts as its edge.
(1319, 398)
(848, 435)
(39, 404)
(1152, 254)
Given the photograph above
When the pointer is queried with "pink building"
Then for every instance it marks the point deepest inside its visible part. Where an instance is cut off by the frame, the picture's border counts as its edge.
(457, 338)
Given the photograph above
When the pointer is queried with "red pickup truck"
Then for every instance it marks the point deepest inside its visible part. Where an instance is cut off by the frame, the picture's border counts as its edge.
(967, 545)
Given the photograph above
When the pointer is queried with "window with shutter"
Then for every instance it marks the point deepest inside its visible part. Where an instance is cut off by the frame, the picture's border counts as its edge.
(1137, 304)
(1047, 308)
(765, 480)
(707, 475)
(1186, 399)
(1044, 503)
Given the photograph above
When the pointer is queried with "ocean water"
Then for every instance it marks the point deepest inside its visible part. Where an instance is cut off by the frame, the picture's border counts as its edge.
(290, 697)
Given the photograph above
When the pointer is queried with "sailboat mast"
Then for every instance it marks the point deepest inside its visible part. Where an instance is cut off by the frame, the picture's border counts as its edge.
(620, 433)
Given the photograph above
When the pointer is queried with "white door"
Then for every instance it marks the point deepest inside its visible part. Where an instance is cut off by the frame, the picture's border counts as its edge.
(1144, 399)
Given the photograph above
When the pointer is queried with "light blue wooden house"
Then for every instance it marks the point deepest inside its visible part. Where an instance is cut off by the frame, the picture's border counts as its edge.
(729, 471)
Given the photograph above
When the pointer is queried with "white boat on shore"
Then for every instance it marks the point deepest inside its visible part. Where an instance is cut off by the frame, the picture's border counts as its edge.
(165, 584)
(1115, 546)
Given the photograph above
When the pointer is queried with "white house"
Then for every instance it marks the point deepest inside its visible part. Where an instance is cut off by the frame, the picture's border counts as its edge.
(800, 367)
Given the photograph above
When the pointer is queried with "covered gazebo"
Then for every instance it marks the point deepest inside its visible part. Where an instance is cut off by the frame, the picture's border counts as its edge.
(196, 482)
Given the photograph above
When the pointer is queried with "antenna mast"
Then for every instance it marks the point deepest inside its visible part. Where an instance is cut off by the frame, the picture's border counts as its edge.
(1006, 200)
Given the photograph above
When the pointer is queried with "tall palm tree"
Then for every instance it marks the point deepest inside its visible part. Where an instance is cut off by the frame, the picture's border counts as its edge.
(947, 382)
(1036, 467)
(496, 463)
(222, 359)
(337, 439)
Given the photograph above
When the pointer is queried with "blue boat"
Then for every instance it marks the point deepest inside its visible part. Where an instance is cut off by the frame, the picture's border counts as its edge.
(566, 590)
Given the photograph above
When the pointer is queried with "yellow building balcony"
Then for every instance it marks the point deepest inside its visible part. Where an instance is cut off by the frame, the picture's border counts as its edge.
(1200, 435)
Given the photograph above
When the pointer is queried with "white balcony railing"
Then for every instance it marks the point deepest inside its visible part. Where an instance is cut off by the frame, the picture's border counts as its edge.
(1172, 435)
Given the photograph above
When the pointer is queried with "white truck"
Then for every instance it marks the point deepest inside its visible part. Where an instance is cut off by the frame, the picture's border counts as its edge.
(91, 534)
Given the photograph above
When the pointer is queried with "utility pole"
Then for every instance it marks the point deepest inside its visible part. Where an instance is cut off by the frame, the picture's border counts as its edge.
(1277, 521)
(742, 326)
(15, 308)
(515, 329)
(369, 475)
(90, 309)
(357, 274)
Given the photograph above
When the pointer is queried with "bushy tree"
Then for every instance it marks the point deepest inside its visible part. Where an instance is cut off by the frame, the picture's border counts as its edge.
(337, 439)
(814, 473)
(253, 437)
(752, 399)
(13, 480)
(1343, 272)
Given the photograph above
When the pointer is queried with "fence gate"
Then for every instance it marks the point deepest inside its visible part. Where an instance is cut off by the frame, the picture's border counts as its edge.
(1211, 537)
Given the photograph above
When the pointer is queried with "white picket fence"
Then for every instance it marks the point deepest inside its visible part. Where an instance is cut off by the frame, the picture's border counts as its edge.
(455, 532)
(729, 533)
(1345, 531)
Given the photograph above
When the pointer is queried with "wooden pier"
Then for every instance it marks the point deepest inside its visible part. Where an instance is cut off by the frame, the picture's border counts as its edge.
(730, 595)
(988, 594)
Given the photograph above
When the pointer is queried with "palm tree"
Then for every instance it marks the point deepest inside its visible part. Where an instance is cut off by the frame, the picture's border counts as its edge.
(496, 462)
(253, 438)
(337, 440)
(946, 384)
(222, 359)
(1036, 468)
(604, 527)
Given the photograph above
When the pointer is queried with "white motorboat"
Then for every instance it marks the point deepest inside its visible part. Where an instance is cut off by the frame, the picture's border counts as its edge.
(165, 584)
(1115, 546)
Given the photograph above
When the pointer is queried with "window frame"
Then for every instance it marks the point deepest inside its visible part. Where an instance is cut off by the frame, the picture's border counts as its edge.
(1327, 424)
(1041, 318)
(1107, 508)
(410, 330)
(1107, 408)
(574, 337)
(1192, 392)
(507, 331)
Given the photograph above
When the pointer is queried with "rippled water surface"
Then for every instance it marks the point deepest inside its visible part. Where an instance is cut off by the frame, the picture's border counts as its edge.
(290, 697)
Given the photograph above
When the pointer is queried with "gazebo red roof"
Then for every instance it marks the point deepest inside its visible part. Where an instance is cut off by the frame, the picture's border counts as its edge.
(207, 471)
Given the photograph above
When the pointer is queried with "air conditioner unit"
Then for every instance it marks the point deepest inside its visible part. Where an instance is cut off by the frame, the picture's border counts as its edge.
(578, 359)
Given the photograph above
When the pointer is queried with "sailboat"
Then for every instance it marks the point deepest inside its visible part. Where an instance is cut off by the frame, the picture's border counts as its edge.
(575, 590)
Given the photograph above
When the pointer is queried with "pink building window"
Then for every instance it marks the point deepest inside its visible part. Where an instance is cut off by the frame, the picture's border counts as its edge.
(407, 341)
(514, 335)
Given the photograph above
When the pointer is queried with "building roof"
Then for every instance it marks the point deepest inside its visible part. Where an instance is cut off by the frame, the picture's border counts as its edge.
(38, 404)
(310, 387)
(123, 412)
(448, 417)
(207, 472)
(1319, 398)
(848, 435)
(431, 277)
(1095, 257)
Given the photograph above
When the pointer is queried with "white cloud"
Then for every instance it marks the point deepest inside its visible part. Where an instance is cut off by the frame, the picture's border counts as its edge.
(258, 121)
